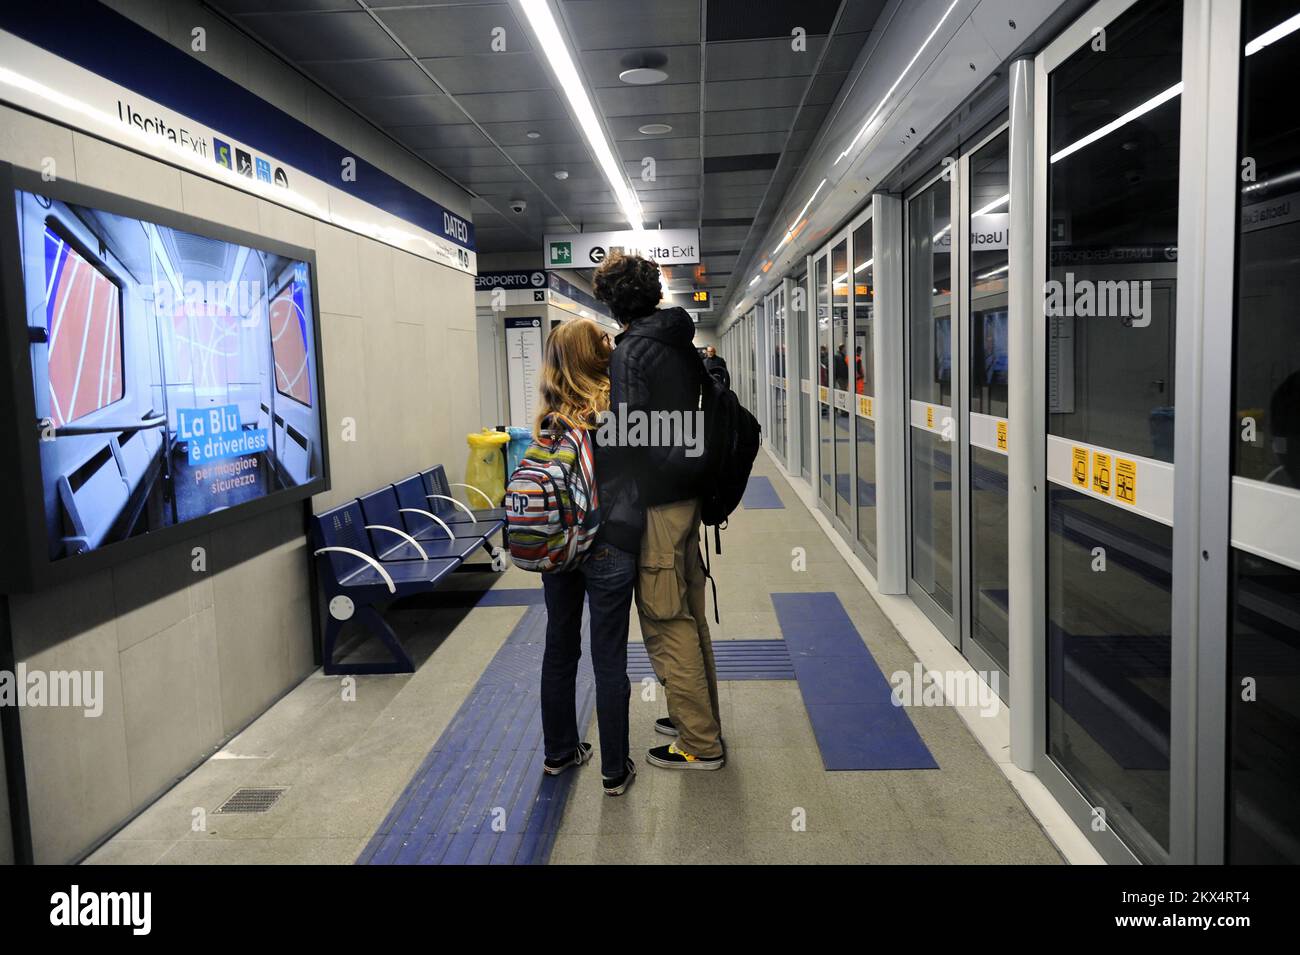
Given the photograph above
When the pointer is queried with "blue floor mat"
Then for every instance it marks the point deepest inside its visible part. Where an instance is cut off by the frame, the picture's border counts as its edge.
(488, 761)
(734, 659)
(760, 495)
(847, 697)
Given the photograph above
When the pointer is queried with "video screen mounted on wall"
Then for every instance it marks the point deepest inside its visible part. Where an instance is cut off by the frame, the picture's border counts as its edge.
(169, 377)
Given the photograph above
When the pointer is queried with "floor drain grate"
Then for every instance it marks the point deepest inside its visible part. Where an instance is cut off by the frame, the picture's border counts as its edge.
(252, 800)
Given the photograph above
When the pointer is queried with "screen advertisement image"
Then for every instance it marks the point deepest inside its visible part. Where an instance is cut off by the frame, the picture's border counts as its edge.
(992, 356)
(174, 374)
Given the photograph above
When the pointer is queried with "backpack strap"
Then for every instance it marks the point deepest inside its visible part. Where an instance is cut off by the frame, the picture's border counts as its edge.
(704, 559)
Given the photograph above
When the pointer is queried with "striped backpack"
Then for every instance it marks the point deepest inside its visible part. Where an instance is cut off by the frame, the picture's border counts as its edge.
(551, 503)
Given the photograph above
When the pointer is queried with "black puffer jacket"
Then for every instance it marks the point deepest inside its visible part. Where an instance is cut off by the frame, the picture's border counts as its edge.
(654, 368)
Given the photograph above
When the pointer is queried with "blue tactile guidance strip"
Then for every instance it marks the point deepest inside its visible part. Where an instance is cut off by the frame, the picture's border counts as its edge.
(489, 757)
(847, 697)
(760, 495)
(734, 659)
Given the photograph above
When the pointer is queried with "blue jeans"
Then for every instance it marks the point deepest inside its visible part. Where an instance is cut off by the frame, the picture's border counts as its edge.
(606, 579)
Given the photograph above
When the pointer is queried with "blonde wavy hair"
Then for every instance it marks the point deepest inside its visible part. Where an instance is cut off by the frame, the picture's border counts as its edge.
(575, 374)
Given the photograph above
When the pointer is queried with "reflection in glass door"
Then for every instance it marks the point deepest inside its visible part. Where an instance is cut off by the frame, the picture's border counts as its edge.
(864, 390)
(825, 438)
(1112, 227)
(984, 178)
(1264, 602)
(841, 378)
(932, 432)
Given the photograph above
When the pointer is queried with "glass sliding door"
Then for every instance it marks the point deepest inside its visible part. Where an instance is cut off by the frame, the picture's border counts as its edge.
(774, 310)
(841, 382)
(1263, 687)
(825, 435)
(985, 183)
(799, 340)
(864, 390)
(932, 514)
(1112, 184)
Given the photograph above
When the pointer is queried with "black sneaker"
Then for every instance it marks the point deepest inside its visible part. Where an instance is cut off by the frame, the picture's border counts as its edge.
(553, 767)
(619, 784)
(670, 757)
(665, 725)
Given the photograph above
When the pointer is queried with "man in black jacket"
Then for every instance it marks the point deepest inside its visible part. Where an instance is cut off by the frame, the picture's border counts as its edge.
(658, 425)
(716, 366)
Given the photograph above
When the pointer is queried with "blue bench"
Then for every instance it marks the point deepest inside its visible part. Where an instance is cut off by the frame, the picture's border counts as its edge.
(375, 549)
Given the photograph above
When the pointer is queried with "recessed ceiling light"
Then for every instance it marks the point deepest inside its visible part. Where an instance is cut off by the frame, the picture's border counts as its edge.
(561, 174)
(533, 134)
(655, 129)
(643, 76)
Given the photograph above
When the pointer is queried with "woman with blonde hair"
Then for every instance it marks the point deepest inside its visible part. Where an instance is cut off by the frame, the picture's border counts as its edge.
(575, 393)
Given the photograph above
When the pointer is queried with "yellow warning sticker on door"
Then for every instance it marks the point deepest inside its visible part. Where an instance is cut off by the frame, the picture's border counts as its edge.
(822, 394)
(929, 416)
(1002, 435)
(867, 404)
(1126, 481)
(1101, 473)
(1079, 472)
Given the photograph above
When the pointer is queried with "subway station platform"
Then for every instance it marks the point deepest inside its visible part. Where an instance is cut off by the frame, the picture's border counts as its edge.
(927, 793)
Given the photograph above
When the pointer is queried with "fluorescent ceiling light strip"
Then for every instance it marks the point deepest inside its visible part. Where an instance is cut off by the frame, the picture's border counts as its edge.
(1134, 113)
(989, 275)
(799, 218)
(864, 265)
(552, 44)
(1272, 36)
(991, 206)
(910, 63)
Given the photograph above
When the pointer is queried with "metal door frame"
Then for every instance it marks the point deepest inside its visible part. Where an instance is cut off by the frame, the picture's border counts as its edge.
(937, 615)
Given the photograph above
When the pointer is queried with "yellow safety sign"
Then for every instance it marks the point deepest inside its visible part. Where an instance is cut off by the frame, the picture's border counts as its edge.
(929, 416)
(1101, 473)
(1002, 435)
(1126, 481)
(1079, 473)
(822, 394)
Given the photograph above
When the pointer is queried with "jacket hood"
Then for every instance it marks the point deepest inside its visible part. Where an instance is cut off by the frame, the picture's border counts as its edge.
(673, 326)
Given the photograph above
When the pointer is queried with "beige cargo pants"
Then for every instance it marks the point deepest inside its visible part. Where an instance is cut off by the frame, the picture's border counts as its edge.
(670, 600)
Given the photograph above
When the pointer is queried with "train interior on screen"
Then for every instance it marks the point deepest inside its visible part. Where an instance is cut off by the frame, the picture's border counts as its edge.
(137, 332)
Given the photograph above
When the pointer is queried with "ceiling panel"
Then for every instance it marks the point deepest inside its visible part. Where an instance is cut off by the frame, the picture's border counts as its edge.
(489, 72)
(618, 24)
(681, 63)
(751, 59)
(456, 31)
(303, 37)
(641, 100)
(357, 78)
(761, 95)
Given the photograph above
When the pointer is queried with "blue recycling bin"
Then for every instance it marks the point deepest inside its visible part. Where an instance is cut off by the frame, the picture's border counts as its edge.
(520, 439)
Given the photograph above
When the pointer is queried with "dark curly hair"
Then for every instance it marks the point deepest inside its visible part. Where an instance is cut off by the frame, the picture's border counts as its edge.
(629, 285)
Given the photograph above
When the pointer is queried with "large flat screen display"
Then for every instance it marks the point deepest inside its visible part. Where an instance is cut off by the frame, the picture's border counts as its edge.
(173, 373)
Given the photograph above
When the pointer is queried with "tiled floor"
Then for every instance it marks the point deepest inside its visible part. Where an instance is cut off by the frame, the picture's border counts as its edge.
(344, 762)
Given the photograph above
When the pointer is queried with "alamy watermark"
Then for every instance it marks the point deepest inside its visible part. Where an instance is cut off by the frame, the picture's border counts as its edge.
(652, 429)
(1128, 299)
(922, 687)
(80, 689)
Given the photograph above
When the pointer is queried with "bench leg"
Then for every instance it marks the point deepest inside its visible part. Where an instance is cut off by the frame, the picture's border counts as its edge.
(373, 622)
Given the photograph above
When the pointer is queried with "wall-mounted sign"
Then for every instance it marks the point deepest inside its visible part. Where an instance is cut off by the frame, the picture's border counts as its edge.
(584, 250)
(133, 88)
(524, 278)
(523, 368)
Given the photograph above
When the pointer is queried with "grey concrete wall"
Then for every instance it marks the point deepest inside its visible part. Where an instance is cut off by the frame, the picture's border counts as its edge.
(189, 657)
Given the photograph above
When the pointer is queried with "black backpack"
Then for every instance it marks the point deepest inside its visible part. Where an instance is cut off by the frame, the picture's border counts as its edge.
(731, 437)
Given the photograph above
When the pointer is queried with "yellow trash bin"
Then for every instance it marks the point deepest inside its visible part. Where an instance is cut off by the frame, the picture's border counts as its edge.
(486, 468)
